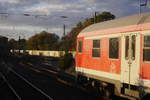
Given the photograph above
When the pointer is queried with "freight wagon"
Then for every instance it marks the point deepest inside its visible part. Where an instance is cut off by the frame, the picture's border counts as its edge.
(115, 56)
(4, 46)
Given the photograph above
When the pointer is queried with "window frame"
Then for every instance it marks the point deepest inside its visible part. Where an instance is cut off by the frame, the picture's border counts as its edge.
(127, 49)
(96, 48)
(133, 47)
(118, 48)
(80, 52)
(144, 48)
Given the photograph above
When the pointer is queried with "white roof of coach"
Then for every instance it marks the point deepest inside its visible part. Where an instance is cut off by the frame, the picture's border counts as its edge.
(126, 21)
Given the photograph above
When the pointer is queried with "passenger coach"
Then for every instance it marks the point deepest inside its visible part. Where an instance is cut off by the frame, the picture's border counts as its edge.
(115, 55)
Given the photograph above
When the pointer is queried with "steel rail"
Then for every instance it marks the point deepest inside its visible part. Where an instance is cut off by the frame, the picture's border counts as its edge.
(29, 83)
(9, 85)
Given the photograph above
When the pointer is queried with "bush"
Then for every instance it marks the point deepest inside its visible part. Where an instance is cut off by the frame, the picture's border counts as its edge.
(66, 61)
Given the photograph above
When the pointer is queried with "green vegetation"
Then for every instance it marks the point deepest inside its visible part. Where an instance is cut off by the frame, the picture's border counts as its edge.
(14, 44)
(68, 42)
(50, 41)
(43, 41)
(40, 41)
(67, 61)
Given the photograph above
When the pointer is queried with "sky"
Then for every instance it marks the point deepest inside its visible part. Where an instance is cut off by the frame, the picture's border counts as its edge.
(46, 14)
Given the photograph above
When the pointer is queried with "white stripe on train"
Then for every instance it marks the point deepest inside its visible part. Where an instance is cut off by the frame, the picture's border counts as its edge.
(113, 76)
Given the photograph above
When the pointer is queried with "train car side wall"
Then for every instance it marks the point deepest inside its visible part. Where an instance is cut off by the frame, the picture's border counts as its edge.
(104, 68)
(145, 60)
(103, 64)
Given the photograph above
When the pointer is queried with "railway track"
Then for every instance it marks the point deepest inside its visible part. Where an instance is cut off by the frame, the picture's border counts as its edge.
(47, 69)
(53, 73)
(21, 88)
(65, 78)
(6, 90)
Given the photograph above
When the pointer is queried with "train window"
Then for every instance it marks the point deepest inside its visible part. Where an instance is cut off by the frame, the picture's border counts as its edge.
(127, 47)
(146, 49)
(133, 46)
(114, 48)
(96, 48)
(80, 46)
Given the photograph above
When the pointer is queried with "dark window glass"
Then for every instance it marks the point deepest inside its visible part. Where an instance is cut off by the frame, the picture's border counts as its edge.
(146, 41)
(146, 49)
(95, 52)
(96, 43)
(96, 48)
(127, 47)
(113, 48)
(146, 54)
(80, 46)
(133, 46)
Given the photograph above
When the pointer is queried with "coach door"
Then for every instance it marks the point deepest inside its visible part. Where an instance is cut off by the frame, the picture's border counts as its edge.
(130, 59)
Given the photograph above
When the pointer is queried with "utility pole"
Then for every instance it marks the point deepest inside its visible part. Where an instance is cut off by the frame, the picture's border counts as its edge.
(64, 27)
(24, 47)
(19, 44)
(95, 17)
(140, 7)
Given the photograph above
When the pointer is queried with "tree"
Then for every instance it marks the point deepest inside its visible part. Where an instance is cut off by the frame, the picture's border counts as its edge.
(43, 41)
(68, 42)
(104, 16)
(22, 44)
(17, 44)
(13, 44)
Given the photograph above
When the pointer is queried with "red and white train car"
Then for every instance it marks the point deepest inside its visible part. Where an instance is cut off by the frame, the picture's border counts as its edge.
(116, 54)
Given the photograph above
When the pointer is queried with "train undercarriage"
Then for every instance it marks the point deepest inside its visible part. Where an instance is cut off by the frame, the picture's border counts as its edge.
(106, 88)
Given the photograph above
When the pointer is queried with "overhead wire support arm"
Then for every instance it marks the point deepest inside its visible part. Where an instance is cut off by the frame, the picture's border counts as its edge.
(142, 5)
(24, 14)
